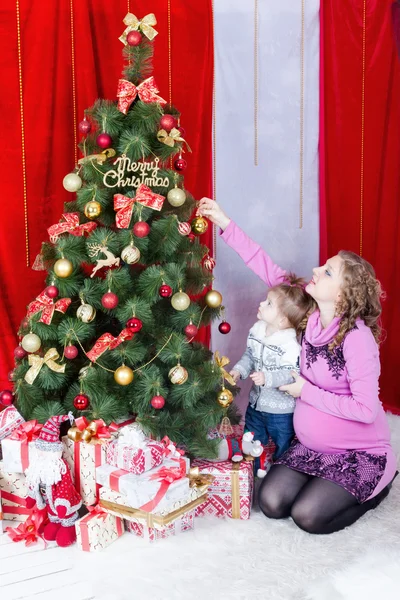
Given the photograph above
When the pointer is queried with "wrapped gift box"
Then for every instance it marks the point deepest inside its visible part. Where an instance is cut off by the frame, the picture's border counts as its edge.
(19, 447)
(151, 534)
(83, 459)
(149, 491)
(97, 530)
(10, 419)
(14, 491)
(231, 492)
(135, 459)
(1, 515)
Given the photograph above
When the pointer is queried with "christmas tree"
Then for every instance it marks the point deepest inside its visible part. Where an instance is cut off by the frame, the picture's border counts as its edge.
(126, 291)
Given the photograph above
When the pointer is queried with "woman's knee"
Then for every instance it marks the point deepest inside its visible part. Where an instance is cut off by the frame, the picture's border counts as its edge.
(306, 517)
(271, 503)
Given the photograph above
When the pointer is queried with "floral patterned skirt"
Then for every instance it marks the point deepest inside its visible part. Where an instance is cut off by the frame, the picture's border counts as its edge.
(358, 472)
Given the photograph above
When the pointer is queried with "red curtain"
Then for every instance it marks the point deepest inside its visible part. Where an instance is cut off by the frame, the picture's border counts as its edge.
(360, 153)
(46, 59)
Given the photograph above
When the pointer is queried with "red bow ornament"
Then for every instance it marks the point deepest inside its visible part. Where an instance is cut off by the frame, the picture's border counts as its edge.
(108, 342)
(46, 305)
(147, 92)
(71, 225)
(29, 531)
(27, 432)
(124, 205)
(170, 449)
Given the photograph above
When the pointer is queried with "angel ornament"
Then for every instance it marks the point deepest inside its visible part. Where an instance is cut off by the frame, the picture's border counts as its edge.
(109, 261)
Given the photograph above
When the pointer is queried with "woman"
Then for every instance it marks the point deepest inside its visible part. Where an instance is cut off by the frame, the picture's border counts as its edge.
(342, 463)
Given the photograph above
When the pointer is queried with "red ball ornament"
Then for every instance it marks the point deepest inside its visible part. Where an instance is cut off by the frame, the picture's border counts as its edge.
(165, 291)
(10, 375)
(19, 353)
(52, 291)
(104, 140)
(85, 126)
(6, 398)
(110, 300)
(135, 324)
(191, 237)
(71, 352)
(180, 164)
(81, 402)
(157, 402)
(167, 122)
(25, 323)
(224, 327)
(191, 330)
(141, 229)
(182, 131)
(133, 38)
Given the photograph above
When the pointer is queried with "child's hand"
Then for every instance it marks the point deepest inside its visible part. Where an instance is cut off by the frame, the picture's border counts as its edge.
(235, 374)
(258, 378)
(210, 209)
(294, 389)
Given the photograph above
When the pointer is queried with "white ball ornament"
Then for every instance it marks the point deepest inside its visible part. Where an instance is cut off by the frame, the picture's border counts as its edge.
(31, 342)
(130, 254)
(178, 375)
(180, 301)
(72, 182)
(86, 313)
(176, 197)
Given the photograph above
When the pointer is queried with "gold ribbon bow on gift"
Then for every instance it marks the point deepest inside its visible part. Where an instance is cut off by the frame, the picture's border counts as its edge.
(221, 362)
(197, 479)
(145, 26)
(170, 138)
(36, 363)
(99, 158)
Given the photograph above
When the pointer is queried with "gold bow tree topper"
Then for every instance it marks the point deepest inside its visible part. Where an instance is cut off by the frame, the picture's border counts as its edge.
(146, 26)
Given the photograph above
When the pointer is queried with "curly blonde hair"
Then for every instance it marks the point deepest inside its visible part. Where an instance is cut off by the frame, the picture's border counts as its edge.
(361, 295)
(294, 302)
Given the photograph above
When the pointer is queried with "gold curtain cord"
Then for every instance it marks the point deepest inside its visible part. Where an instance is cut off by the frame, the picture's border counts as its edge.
(71, 7)
(21, 108)
(362, 125)
(301, 199)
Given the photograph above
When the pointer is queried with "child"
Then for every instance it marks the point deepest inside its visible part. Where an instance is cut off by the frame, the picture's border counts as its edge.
(272, 353)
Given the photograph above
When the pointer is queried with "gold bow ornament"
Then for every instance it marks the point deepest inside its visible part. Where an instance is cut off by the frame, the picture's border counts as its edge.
(99, 158)
(170, 138)
(37, 362)
(146, 26)
(221, 362)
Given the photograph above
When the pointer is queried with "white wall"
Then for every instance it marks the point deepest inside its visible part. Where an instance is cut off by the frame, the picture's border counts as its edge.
(264, 200)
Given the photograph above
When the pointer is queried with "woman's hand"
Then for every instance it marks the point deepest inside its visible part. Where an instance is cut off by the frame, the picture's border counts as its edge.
(210, 209)
(294, 389)
(235, 374)
(258, 378)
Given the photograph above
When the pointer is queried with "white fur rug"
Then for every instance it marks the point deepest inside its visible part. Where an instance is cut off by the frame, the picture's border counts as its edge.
(258, 559)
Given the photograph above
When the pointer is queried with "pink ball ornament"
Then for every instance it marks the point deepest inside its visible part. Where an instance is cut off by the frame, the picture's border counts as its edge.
(19, 353)
(157, 402)
(167, 122)
(85, 126)
(134, 324)
(133, 38)
(71, 352)
(180, 164)
(6, 398)
(141, 229)
(110, 300)
(52, 291)
(104, 140)
(191, 330)
(224, 327)
(165, 291)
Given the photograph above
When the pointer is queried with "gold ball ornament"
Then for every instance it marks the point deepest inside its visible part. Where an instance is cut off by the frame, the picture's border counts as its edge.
(225, 398)
(199, 225)
(123, 375)
(63, 267)
(31, 342)
(213, 299)
(176, 197)
(178, 375)
(86, 313)
(92, 209)
(130, 254)
(180, 301)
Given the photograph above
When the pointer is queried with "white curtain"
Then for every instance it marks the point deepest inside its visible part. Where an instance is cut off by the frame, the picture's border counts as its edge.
(265, 199)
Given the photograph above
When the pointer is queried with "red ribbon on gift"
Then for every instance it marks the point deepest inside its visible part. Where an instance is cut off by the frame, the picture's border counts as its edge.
(147, 92)
(124, 205)
(29, 531)
(166, 475)
(115, 426)
(95, 511)
(71, 226)
(47, 306)
(108, 342)
(25, 433)
(170, 449)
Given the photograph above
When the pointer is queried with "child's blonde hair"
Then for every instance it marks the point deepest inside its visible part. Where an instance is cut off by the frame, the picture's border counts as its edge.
(294, 302)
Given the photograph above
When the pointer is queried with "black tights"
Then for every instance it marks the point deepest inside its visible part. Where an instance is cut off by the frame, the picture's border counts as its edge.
(315, 505)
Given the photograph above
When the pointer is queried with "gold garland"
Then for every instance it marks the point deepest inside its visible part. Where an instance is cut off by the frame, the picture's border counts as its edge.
(301, 199)
(362, 126)
(21, 108)
(256, 83)
(71, 6)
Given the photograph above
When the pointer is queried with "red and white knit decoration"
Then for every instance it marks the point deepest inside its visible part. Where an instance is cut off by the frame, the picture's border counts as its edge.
(209, 263)
(49, 437)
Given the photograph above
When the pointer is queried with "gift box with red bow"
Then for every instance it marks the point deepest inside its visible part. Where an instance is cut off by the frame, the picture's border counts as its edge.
(19, 447)
(97, 530)
(14, 491)
(10, 419)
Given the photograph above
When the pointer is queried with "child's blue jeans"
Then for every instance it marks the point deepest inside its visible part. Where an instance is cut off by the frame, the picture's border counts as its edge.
(265, 425)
